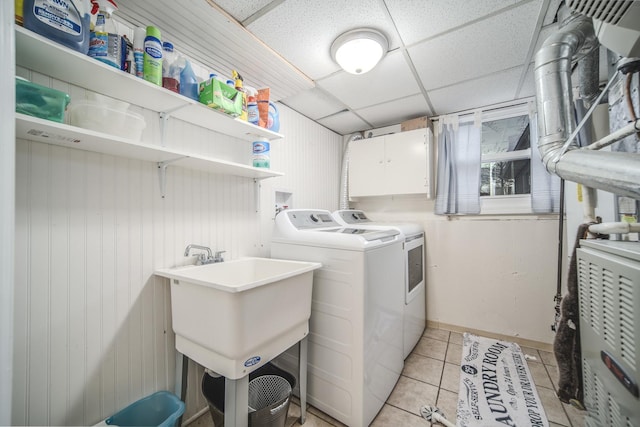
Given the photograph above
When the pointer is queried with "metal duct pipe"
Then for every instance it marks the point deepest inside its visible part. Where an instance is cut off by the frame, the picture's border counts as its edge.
(588, 81)
(344, 177)
(613, 172)
(614, 228)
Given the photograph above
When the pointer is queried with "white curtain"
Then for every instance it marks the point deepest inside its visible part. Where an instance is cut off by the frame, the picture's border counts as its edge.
(458, 174)
(545, 187)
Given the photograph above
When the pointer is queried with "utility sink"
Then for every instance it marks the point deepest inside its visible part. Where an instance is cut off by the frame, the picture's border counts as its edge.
(234, 316)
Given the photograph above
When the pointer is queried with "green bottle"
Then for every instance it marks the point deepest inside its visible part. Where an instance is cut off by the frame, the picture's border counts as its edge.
(153, 56)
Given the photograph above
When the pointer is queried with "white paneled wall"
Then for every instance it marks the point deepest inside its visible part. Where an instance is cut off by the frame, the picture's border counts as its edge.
(7, 212)
(310, 157)
(93, 324)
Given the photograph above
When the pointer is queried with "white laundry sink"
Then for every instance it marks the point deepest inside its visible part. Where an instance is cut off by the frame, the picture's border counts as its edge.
(234, 316)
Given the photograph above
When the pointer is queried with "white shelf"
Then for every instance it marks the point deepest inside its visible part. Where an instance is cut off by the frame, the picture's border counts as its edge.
(39, 130)
(45, 56)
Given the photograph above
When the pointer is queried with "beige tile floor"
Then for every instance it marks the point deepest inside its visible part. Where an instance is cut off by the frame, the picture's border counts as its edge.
(430, 377)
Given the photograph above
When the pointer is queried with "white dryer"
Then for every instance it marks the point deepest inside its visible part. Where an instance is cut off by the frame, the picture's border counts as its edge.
(413, 283)
(355, 331)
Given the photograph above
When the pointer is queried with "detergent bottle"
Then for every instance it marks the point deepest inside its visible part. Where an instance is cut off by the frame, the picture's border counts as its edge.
(274, 118)
(188, 81)
(42, 17)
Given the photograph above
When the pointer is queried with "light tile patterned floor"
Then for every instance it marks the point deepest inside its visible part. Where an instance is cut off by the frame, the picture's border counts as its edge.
(431, 376)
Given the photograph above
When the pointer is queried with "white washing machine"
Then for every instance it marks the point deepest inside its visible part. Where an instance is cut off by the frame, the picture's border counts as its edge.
(355, 331)
(413, 283)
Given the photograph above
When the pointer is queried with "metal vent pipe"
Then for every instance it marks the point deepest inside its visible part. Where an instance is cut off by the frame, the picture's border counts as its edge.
(344, 175)
(617, 173)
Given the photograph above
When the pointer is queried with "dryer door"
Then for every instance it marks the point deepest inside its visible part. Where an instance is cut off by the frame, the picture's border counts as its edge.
(414, 266)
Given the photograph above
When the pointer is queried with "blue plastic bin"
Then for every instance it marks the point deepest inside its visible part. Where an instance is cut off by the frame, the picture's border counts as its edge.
(160, 409)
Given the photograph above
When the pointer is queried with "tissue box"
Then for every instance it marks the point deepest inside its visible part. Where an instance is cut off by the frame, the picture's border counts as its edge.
(217, 95)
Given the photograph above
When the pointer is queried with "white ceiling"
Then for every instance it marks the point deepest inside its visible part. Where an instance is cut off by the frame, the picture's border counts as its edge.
(445, 56)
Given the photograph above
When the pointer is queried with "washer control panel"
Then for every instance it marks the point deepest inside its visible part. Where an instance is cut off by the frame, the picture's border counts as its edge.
(351, 216)
(311, 219)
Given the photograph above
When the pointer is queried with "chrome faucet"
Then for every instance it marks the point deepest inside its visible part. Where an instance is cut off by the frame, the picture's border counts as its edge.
(207, 258)
(218, 256)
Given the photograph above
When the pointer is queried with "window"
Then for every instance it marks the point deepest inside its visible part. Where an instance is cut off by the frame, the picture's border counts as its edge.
(505, 170)
(506, 157)
(508, 179)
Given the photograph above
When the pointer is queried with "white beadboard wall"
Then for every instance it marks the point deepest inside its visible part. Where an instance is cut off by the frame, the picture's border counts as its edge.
(92, 323)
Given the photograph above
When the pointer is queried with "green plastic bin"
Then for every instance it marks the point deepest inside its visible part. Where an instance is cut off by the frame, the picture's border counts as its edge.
(40, 101)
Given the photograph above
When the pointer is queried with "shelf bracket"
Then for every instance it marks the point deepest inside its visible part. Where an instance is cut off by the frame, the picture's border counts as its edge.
(256, 193)
(162, 173)
(164, 122)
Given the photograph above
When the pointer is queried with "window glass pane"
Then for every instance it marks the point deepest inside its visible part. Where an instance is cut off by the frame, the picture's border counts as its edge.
(499, 136)
(505, 178)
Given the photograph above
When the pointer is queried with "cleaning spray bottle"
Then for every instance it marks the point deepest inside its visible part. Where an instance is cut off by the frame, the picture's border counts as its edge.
(105, 44)
(239, 87)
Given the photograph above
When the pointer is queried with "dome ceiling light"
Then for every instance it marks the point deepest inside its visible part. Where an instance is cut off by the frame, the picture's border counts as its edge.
(358, 51)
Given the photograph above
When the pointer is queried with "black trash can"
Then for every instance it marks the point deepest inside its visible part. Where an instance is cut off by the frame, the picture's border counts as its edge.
(269, 396)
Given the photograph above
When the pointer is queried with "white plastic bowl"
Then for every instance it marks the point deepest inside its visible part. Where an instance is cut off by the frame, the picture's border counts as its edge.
(108, 101)
(103, 118)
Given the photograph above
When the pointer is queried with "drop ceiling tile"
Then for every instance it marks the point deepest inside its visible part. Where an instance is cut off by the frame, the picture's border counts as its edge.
(491, 45)
(417, 20)
(395, 111)
(390, 79)
(544, 34)
(528, 85)
(314, 103)
(552, 10)
(241, 10)
(482, 92)
(302, 31)
(344, 123)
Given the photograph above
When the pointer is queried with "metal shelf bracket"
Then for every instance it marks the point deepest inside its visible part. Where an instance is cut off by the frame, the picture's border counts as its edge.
(164, 122)
(162, 173)
(256, 193)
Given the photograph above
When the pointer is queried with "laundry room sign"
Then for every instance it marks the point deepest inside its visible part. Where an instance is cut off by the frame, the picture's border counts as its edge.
(496, 387)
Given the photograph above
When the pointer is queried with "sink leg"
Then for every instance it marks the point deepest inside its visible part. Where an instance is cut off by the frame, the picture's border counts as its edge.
(302, 374)
(236, 402)
(182, 371)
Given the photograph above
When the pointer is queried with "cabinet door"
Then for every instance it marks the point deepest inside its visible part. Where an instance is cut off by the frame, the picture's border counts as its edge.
(406, 163)
(366, 167)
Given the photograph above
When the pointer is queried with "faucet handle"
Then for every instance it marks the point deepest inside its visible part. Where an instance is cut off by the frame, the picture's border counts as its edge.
(218, 256)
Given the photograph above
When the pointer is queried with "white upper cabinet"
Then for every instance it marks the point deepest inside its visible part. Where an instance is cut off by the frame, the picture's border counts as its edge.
(392, 164)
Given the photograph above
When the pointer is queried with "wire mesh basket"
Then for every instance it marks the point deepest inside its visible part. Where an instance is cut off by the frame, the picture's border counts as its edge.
(274, 403)
(267, 390)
